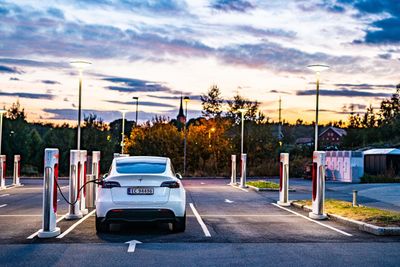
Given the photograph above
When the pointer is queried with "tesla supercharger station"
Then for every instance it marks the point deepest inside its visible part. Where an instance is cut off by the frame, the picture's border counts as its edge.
(2, 171)
(82, 177)
(74, 211)
(243, 170)
(318, 186)
(49, 223)
(17, 170)
(92, 188)
(233, 175)
(284, 180)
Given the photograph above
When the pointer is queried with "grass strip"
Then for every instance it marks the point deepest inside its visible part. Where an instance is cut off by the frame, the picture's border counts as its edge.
(264, 184)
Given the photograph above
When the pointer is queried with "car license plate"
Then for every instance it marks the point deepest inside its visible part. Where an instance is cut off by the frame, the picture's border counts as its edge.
(140, 191)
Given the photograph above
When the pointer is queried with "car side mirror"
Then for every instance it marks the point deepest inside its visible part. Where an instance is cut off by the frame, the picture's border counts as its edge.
(179, 176)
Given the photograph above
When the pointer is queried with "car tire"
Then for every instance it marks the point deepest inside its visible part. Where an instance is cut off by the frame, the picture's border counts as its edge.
(179, 225)
(101, 227)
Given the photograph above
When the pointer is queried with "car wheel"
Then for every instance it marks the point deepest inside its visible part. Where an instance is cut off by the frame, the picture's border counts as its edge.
(179, 225)
(101, 227)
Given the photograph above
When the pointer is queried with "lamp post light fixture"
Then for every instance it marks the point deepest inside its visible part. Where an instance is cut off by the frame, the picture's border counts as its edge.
(242, 111)
(80, 65)
(123, 111)
(137, 109)
(186, 99)
(212, 130)
(2, 111)
(317, 68)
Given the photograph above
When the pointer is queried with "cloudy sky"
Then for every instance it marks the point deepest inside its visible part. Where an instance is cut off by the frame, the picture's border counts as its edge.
(158, 50)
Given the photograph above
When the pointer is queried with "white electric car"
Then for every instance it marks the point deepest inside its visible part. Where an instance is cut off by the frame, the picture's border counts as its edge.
(140, 189)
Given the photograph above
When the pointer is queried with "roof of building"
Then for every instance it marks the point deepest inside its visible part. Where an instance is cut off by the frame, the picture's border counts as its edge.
(338, 131)
(382, 151)
(304, 140)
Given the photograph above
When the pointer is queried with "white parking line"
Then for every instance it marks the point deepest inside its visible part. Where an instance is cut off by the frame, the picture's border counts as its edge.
(200, 220)
(76, 224)
(2, 206)
(243, 189)
(4, 195)
(35, 233)
(314, 221)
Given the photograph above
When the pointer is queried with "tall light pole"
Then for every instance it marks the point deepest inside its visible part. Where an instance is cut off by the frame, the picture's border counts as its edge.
(80, 65)
(242, 111)
(317, 68)
(2, 111)
(123, 111)
(186, 99)
(137, 109)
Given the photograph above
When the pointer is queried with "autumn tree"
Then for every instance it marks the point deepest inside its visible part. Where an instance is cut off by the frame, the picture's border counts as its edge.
(252, 109)
(212, 103)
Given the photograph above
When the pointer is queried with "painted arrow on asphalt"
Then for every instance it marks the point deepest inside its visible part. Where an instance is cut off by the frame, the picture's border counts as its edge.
(229, 201)
(132, 245)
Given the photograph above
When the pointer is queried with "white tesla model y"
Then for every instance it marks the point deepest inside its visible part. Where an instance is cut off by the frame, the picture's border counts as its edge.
(140, 189)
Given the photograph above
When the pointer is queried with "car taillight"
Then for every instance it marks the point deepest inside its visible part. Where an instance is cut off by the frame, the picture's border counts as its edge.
(110, 184)
(170, 184)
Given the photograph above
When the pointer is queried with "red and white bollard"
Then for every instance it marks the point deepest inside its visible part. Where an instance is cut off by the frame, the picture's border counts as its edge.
(49, 223)
(284, 180)
(318, 186)
(2, 171)
(17, 170)
(82, 177)
(74, 211)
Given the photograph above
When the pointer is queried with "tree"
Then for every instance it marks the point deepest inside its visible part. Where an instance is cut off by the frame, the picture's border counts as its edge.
(239, 102)
(16, 112)
(212, 103)
(369, 120)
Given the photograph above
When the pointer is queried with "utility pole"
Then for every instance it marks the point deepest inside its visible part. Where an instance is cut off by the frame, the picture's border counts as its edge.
(280, 135)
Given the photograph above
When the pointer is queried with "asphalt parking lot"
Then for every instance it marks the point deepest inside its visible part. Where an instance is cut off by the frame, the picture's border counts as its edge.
(232, 227)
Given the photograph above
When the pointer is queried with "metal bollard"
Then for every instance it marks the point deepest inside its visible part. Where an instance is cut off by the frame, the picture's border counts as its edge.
(74, 182)
(355, 204)
(318, 186)
(284, 180)
(233, 175)
(244, 170)
(96, 167)
(82, 177)
(17, 170)
(90, 188)
(2, 171)
(49, 223)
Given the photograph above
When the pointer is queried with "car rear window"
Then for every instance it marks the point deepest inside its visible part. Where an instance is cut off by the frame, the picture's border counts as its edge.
(140, 167)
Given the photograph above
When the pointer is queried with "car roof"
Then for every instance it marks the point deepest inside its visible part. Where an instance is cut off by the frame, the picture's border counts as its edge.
(149, 159)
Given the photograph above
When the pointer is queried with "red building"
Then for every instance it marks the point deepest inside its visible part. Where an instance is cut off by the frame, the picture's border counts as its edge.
(332, 136)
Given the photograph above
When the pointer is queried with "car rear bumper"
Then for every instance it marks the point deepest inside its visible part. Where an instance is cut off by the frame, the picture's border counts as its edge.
(139, 215)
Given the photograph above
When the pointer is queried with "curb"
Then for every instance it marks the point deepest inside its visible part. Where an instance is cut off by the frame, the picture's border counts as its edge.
(268, 189)
(362, 226)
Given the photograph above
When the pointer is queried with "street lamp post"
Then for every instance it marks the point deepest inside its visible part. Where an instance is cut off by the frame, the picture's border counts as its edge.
(2, 111)
(80, 65)
(137, 109)
(186, 99)
(123, 111)
(317, 68)
(242, 111)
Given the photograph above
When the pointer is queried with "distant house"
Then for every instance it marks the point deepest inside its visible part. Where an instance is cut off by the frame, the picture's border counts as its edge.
(305, 141)
(332, 136)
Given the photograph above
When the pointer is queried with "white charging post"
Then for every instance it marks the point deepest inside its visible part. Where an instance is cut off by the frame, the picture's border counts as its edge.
(318, 186)
(82, 177)
(49, 223)
(74, 183)
(96, 166)
(2, 171)
(17, 170)
(284, 180)
(244, 170)
(233, 175)
(91, 187)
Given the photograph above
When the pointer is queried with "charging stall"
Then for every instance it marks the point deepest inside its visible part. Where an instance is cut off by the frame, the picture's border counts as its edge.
(49, 222)
(2, 171)
(318, 186)
(91, 187)
(17, 170)
(82, 181)
(74, 185)
(284, 180)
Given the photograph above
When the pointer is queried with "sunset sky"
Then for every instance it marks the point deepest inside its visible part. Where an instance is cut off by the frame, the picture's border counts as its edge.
(158, 50)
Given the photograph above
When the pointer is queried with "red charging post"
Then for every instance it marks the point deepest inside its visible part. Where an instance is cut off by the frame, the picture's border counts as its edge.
(17, 170)
(318, 186)
(49, 223)
(2, 171)
(82, 177)
(284, 180)
(74, 172)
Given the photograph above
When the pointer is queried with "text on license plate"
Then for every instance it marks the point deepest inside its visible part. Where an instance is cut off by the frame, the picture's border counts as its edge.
(140, 191)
